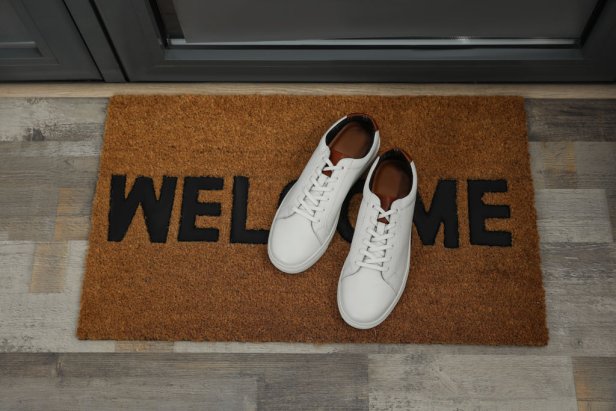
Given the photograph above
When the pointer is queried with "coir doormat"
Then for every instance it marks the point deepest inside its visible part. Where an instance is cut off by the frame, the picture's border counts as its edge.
(188, 187)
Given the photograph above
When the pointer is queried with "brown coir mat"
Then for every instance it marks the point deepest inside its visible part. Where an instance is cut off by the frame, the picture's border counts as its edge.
(188, 186)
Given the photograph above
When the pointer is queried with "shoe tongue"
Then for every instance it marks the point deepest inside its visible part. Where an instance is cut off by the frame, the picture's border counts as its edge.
(334, 157)
(386, 202)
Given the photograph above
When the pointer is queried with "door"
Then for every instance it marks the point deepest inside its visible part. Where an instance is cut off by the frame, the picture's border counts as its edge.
(39, 41)
(363, 40)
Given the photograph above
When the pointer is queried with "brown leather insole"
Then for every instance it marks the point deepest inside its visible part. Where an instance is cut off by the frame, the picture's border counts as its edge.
(353, 141)
(391, 181)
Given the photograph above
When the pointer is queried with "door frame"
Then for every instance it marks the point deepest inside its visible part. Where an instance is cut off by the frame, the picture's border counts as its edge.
(90, 27)
(135, 35)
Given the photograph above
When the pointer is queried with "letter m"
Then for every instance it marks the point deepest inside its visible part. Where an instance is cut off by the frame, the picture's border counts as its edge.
(443, 211)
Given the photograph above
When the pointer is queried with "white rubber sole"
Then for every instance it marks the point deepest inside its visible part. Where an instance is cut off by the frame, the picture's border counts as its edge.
(310, 261)
(383, 317)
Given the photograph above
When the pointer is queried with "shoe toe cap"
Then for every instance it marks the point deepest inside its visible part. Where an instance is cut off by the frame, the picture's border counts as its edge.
(292, 241)
(365, 297)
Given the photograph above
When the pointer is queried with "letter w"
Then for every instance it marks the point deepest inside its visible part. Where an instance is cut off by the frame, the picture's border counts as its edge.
(157, 212)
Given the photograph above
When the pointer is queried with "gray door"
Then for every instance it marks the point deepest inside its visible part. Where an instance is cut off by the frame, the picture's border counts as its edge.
(334, 22)
(363, 40)
(39, 41)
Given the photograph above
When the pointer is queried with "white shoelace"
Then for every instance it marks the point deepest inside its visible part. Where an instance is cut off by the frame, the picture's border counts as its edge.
(375, 248)
(316, 191)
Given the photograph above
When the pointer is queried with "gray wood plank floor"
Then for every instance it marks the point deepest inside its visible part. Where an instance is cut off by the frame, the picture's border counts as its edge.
(49, 150)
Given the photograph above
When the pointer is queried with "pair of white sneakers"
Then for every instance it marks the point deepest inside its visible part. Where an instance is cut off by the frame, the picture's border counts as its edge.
(376, 269)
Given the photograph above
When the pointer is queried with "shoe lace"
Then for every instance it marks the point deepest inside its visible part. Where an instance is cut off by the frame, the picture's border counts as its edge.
(316, 191)
(374, 250)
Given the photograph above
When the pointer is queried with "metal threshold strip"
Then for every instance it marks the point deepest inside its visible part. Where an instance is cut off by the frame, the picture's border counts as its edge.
(438, 42)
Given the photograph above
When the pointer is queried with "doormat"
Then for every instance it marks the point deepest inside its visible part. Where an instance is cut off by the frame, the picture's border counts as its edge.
(188, 186)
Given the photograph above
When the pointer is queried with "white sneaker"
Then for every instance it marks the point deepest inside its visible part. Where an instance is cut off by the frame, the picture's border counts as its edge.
(307, 217)
(375, 272)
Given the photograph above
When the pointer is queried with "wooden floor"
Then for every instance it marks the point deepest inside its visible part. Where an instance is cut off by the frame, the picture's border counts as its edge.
(49, 148)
